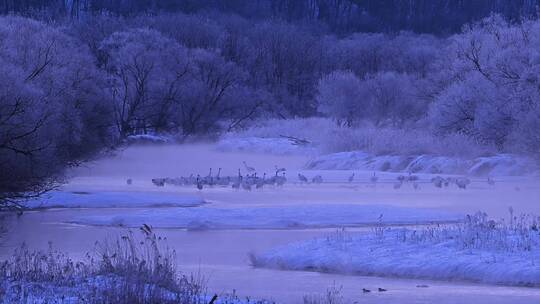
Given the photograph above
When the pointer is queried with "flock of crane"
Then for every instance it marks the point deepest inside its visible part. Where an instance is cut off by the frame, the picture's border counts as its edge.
(251, 180)
(246, 182)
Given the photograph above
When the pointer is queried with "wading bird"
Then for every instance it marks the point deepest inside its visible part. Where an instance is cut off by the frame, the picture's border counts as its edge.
(281, 180)
(199, 183)
(463, 182)
(317, 179)
(280, 170)
(374, 178)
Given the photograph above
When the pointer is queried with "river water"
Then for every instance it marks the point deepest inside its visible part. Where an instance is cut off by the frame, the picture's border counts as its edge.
(222, 256)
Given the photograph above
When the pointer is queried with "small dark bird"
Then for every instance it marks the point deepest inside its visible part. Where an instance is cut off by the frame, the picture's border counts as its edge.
(199, 183)
(160, 182)
(381, 289)
(365, 290)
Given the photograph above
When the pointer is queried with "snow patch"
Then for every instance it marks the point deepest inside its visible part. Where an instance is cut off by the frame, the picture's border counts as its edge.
(148, 139)
(280, 146)
(112, 199)
(502, 165)
(498, 165)
(313, 216)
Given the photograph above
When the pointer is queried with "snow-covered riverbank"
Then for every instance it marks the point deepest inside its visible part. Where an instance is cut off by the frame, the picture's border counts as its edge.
(478, 250)
(498, 165)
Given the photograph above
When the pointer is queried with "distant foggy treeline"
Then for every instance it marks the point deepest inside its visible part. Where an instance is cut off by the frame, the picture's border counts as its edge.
(340, 16)
(70, 88)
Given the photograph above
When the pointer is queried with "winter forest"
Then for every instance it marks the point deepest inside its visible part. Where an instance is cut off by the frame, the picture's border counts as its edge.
(338, 92)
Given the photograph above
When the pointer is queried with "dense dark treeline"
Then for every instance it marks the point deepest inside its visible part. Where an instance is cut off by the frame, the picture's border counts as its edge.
(437, 16)
(341, 16)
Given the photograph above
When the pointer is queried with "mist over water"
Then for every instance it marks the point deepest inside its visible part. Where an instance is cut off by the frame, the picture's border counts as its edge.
(149, 161)
(142, 163)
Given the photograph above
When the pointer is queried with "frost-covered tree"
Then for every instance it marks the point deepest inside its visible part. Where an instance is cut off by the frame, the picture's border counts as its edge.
(491, 81)
(94, 29)
(342, 96)
(69, 81)
(147, 70)
(191, 31)
(287, 61)
(160, 85)
(525, 137)
(27, 163)
(393, 98)
(383, 98)
(212, 92)
(455, 109)
(53, 110)
(366, 54)
(200, 73)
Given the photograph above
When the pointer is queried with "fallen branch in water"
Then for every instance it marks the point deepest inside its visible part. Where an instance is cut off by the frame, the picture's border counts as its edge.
(296, 141)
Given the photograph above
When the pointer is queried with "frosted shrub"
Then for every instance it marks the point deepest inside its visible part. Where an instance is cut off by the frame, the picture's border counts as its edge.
(339, 238)
(233, 298)
(478, 232)
(330, 138)
(381, 141)
(129, 270)
(342, 96)
(333, 295)
(42, 266)
(143, 270)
